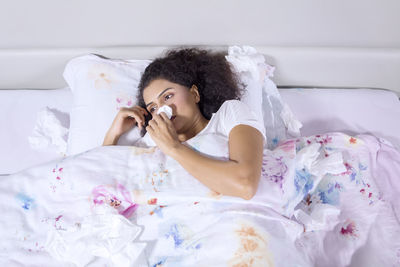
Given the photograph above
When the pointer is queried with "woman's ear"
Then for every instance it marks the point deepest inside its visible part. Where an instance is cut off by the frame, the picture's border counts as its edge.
(195, 91)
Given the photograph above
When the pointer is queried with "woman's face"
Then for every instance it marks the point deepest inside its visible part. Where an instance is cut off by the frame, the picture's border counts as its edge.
(182, 100)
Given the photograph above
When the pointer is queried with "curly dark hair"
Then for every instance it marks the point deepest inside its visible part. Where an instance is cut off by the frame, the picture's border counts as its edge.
(208, 70)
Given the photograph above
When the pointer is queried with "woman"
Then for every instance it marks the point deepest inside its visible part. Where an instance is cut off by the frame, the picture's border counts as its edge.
(203, 93)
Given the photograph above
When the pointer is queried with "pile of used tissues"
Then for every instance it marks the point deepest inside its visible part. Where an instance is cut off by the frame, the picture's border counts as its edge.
(262, 94)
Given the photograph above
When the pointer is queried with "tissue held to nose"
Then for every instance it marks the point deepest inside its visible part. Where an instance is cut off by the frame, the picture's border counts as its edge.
(166, 109)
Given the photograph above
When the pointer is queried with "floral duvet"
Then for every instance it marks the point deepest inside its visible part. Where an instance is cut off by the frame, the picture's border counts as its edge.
(323, 200)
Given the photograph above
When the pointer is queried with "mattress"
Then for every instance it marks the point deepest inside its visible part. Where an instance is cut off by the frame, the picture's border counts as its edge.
(321, 110)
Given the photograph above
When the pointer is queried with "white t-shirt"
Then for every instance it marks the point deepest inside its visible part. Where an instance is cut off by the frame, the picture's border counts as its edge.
(213, 140)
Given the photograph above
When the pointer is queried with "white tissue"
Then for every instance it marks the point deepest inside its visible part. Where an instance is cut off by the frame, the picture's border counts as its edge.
(252, 70)
(105, 236)
(323, 217)
(262, 94)
(48, 131)
(307, 156)
(166, 109)
(291, 123)
(332, 164)
(247, 62)
(310, 158)
(147, 138)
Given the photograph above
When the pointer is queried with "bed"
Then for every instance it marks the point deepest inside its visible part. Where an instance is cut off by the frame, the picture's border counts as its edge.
(328, 194)
(365, 119)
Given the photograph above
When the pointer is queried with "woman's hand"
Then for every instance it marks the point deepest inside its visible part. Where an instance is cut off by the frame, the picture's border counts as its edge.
(163, 133)
(125, 120)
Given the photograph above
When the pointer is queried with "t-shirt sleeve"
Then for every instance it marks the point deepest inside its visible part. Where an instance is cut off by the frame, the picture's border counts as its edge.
(236, 112)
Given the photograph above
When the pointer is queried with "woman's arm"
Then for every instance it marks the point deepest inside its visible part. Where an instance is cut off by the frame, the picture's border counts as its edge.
(237, 177)
(125, 119)
(110, 139)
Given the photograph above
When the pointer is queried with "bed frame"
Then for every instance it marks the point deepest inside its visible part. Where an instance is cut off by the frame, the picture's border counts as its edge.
(295, 66)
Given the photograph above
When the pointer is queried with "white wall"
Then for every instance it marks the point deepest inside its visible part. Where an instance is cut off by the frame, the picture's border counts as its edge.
(89, 23)
(340, 43)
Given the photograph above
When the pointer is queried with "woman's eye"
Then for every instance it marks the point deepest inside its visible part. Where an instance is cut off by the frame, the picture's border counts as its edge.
(152, 110)
(168, 96)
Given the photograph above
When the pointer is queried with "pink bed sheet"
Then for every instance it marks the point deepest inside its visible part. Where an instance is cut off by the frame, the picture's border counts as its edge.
(352, 111)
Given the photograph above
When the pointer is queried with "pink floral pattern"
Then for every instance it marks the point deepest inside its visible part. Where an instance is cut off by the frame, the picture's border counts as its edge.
(120, 200)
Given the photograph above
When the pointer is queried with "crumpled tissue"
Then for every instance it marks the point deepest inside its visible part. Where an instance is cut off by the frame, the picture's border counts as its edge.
(249, 63)
(262, 94)
(279, 109)
(292, 124)
(48, 131)
(166, 109)
(323, 217)
(104, 236)
(252, 71)
(311, 159)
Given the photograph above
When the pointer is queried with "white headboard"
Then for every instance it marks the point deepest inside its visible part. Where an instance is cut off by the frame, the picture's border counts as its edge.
(312, 43)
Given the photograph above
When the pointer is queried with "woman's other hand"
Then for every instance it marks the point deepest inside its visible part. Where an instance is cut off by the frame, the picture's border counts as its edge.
(125, 120)
(163, 133)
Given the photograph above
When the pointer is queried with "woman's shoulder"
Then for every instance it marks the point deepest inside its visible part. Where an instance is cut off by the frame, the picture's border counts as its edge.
(234, 105)
(225, 114)
(234, 112)
(231, 102)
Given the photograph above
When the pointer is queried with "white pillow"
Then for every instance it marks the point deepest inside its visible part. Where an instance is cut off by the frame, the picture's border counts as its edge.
(100, 87)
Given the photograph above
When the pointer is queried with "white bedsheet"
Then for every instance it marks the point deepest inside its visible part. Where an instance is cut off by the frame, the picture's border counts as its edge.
(320, 110)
